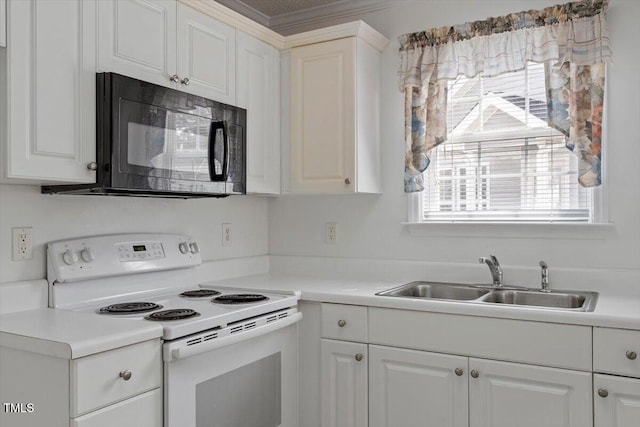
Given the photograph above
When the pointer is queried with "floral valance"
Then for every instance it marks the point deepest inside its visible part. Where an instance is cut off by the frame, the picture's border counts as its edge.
(571, 39)
(574, 32)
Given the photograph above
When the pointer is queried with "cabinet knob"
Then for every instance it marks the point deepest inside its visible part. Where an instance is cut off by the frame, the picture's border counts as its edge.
(631, 355)
(341, 323)
(475, 374)
(459, 372)
(603, 392)
(174, 78)
(347, 181)
(92, 166)
(359, 357)
(185, 81)
(125, 375)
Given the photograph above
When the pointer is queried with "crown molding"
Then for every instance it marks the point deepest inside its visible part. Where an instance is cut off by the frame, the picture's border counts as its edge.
(293, 22)
(236, 20)
(351, 29)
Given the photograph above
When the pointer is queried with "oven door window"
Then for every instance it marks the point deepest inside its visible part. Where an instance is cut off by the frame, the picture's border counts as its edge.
(249, 396)
(163, 143)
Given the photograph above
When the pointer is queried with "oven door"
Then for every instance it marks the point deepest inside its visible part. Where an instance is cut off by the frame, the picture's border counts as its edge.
(249, 383)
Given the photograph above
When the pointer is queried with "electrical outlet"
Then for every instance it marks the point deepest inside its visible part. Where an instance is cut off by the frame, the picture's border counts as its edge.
(227, 234)
(21, 243)
(331, 235)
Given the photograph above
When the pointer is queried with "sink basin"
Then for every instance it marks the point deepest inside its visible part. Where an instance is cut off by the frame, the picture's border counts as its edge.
(432, 290)
(579, 301)
(513, 296)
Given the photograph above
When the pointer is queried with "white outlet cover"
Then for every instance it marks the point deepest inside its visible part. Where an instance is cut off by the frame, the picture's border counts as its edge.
(21, 247)
(331, 233)
(227, 234)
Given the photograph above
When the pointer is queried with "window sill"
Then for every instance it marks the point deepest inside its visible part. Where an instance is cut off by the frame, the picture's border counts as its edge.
(513, 230)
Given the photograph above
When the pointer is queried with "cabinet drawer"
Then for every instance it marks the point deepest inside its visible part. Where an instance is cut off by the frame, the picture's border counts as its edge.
(616, 351)
(144, 410)
(96, 380)
(344, 322)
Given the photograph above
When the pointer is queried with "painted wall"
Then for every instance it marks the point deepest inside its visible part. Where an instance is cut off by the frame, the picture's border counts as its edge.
(370, 227)
(55, 217)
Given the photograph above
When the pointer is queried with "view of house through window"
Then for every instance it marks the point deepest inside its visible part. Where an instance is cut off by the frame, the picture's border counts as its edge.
(502, 162)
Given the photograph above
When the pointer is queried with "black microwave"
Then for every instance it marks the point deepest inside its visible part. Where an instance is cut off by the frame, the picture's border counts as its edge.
(159, 142)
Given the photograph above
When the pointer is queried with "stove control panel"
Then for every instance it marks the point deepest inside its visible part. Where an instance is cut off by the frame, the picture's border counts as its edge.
(140, 251)
(102, 256)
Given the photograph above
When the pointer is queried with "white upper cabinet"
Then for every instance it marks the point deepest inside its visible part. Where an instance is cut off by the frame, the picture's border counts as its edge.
(334, 103)
(206, 56)
(169, 44)
(3, 23)
(258, 90)
(47, 91)
(137, 38)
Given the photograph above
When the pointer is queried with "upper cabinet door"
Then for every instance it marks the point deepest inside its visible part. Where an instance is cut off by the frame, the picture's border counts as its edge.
(323, 117)
(206, 56)
(258, 84)
(50, 91)
(137, 38)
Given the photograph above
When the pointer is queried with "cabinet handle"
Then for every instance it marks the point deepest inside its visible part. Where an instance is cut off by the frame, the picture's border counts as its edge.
(174, 78)
(631, 355)
(459, 372)
(125, 375)
(603, 392)
(475, 374)
(359, 357)
(185, 81)
(341, 323)
(347, 181)
(92, 166)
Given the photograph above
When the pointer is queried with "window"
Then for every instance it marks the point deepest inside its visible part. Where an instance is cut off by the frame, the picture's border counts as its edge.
(502, 162)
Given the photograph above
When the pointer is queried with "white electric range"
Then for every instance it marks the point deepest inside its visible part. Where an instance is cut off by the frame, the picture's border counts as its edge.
(230, 355)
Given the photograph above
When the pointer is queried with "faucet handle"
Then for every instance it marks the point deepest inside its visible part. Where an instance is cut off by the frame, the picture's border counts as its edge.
(544, 281)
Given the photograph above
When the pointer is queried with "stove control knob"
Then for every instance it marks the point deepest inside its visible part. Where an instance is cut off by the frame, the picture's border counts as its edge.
(184, 247)
(70, 257)
(87, 255)
(194, 247)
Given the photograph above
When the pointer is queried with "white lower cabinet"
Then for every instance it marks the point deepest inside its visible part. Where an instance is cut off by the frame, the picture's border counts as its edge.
(119, 387)
(511, 394)
(344, 384)
(417, 388)
(616, 401)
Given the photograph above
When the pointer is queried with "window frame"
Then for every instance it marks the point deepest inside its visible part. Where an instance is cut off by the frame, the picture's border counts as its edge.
(598, 228)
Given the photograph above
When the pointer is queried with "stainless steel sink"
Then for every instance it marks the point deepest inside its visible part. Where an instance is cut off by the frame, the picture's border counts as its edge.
(432, 290)
(578, 301)
(513, 296)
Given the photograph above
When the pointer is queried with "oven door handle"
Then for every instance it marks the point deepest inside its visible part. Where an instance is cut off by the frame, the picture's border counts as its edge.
(179, 350)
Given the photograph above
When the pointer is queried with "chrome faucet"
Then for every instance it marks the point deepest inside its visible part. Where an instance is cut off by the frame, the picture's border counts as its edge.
(494, 267)
(545, 277)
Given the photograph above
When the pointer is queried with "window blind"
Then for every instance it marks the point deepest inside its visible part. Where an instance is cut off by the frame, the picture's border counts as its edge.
(502, 162)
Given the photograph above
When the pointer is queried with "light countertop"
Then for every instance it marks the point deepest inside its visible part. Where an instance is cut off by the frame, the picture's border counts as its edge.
(69, 334)
(611, 311)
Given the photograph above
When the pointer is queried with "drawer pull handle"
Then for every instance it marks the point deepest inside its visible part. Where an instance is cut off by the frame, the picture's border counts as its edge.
(475, 374)
(125, 375)
(341, 323)
(359, 357)
(603, 392)
(631, 355)
(459, 372)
